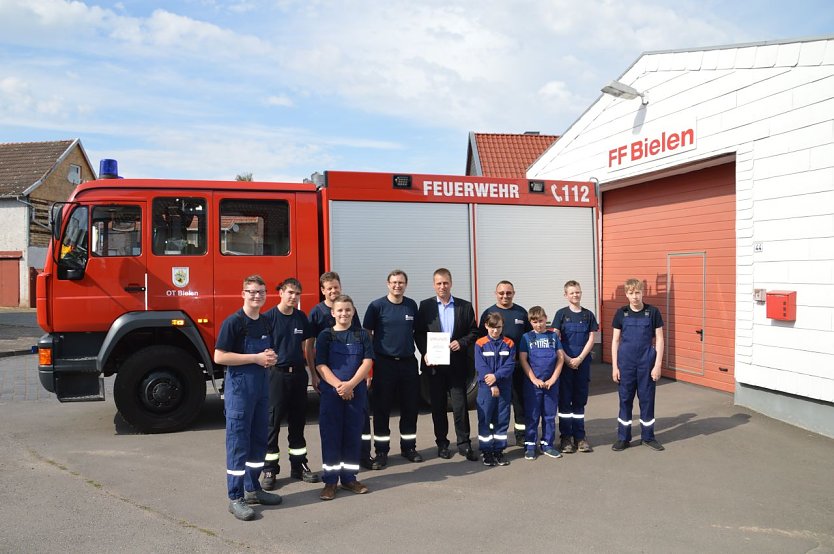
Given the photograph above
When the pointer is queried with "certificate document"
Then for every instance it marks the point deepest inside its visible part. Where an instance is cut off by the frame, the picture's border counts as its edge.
(437, 348)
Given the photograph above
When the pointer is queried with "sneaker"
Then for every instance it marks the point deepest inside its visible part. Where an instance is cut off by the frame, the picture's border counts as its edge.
(380, 462)
(489, 459)
(619, 446)
(302, 472)
(654, 445)
(551, 452)
(262, 497)
(584, 446)
(269, 482)
(329, 492)
(367, 462)
(566, 445)
(355, 486)
(412, 456)
(241, 510)
(500, 460)
(530, 454)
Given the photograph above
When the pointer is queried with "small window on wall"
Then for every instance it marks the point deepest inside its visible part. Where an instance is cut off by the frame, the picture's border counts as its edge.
(74, 174)
(254, 228)
(116, 231)
(179, 226)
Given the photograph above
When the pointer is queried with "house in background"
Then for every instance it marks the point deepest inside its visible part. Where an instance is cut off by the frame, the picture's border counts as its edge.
(505, 155)
(33, 175)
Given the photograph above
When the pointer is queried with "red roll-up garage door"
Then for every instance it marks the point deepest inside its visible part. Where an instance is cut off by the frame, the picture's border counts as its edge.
(678, 235)
(10, 278)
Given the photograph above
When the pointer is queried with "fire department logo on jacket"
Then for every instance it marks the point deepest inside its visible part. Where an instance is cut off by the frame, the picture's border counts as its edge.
(179, 276)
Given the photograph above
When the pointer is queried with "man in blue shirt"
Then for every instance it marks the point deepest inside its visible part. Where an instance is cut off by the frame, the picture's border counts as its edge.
(448, 314)
(390, 320)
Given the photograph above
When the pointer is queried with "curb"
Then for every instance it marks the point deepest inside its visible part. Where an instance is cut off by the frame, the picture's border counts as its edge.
(11, 353)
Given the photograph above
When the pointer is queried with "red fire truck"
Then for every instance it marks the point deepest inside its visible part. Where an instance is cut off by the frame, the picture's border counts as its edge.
(141, 273)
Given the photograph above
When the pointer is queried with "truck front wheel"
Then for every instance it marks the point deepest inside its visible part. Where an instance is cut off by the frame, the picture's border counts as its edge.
(160, 389)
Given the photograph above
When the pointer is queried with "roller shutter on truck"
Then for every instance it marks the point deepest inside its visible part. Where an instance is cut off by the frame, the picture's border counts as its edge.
(537, 240)
(538, 249)
(369, 239)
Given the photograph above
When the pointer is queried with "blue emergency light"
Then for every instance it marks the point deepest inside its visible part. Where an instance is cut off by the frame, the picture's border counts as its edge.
(108, 169)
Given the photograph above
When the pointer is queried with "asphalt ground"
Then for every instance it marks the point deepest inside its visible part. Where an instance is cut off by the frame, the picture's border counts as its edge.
(76, 478)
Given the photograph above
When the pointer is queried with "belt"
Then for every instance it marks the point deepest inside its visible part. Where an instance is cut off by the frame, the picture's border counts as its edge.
(288, 368)
(395, 358)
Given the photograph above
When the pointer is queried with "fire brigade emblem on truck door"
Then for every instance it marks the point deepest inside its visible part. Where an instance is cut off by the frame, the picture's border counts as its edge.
(179, 276)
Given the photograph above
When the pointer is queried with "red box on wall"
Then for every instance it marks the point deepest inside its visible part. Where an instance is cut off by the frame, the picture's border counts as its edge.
(781, 304)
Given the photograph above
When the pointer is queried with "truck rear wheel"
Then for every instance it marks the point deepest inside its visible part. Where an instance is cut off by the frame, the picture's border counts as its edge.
(160, 389)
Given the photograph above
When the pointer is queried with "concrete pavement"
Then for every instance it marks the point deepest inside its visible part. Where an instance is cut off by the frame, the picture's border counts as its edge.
(730, 480)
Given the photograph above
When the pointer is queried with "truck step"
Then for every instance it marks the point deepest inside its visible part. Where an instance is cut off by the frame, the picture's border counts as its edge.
(79, 387)
(86, 364)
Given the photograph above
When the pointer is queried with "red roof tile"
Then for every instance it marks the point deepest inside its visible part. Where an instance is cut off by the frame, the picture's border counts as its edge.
(506, 155)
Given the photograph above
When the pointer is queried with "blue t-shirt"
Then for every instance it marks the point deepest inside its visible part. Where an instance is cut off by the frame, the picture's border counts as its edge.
(349, 336)
(393, 326)
(321, 318)
(236, 328)
(584, 319)
(647, 311)
(288, 335)
(516, 322)
(542, 351)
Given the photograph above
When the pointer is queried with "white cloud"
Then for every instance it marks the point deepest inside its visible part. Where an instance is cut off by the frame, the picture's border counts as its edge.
(282, 101)
(213, 70)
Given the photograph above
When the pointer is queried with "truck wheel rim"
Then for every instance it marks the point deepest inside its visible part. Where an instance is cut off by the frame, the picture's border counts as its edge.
(161, 391)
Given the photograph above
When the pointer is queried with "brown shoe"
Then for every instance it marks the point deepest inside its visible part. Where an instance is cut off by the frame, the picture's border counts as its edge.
(355, 486)
(566, 445)
(584, 446)
(329, 492)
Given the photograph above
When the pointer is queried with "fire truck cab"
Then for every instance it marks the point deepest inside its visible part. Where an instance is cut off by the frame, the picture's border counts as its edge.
(141, 273)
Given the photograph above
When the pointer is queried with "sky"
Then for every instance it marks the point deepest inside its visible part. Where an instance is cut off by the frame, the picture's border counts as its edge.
(209, 89)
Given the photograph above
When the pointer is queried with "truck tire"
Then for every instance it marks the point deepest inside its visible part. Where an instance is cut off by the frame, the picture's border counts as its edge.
(160, 389)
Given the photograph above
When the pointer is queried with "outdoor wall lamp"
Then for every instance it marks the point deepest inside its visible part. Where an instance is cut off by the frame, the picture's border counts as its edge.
(620, 90)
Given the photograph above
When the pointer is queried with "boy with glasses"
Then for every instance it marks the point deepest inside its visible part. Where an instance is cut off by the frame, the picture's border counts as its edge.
(245, 347)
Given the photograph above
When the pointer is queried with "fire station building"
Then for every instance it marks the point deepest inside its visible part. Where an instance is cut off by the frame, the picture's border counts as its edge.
(715, 172)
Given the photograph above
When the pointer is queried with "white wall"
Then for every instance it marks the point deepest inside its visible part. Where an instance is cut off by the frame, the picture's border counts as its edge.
(14, 221)
(772, 106)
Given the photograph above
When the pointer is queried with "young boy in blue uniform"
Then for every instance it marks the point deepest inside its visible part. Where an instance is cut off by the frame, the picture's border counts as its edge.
(576, 326)
(245, 347)
(494, 363)
(344, 356)
(541, 358)
(321, 318)
(635, 363)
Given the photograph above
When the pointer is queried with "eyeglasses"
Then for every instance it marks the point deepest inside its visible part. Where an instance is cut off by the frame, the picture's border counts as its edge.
(255, 292)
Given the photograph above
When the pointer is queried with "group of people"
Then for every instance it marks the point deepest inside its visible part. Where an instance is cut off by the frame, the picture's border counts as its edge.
(542, 371)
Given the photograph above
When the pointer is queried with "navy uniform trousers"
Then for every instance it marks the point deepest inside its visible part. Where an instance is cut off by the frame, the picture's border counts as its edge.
(288, 399)
(395, 379)
(635, 358)
(574, 383)
(541, 404)
(246, 403)
(340, 421)
(494, 415)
